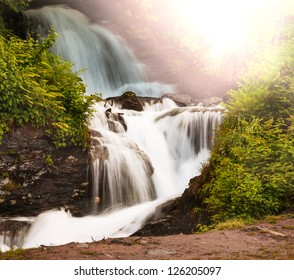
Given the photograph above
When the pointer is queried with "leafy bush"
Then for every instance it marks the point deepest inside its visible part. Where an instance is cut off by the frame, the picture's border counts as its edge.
(39, 88)
(251, 170)
(252, 173)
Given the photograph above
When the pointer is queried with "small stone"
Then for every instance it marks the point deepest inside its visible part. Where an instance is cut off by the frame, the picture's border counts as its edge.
(143, 242)
(29, 195)
(122, 242)
(12, 168)
(82, 245)
(12, 202)
(108, 255)
(85, 184)
(2, 192)
(72, 158)
(162, 252)
(97, 199)
(4, 182)
(2, 200)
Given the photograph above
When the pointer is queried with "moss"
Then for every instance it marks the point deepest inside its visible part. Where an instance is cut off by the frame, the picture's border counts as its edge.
(17, 254)
(10, 186)
(48, 160)
(235, 223)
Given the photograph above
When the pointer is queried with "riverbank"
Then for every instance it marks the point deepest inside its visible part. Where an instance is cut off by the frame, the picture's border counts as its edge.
(271, 239)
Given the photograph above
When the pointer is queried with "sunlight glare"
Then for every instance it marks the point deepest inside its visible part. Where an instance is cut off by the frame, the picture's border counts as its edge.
(224, 24)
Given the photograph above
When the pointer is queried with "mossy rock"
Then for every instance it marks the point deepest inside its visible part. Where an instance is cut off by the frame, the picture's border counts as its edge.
(130, 101)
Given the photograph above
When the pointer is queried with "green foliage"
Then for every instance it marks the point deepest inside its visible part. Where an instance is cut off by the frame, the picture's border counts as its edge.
(251, 170)
(17, 254)
(7, 8)
(234, 223)
(16, 5)
(37, 87)
(48, 160)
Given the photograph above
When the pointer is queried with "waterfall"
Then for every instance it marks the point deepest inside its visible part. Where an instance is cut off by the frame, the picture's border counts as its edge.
(139, 159)
(121, 171)
(109, 67)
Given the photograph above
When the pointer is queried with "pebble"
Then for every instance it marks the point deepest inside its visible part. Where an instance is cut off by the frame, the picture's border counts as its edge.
(162, 252)
(143, 242)
(82, 245)
(12, 202)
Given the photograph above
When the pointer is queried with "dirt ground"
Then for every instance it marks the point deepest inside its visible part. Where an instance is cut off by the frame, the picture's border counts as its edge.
(272, 239)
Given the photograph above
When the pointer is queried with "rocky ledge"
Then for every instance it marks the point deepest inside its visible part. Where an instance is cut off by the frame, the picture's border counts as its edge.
(35, 176)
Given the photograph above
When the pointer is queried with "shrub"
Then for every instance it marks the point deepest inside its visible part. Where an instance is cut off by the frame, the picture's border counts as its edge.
(251, 170)
(40, 88)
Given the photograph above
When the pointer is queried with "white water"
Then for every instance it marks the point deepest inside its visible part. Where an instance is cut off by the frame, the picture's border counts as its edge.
(59, 227)
(164, 139)
(109, 66)
(136, 169)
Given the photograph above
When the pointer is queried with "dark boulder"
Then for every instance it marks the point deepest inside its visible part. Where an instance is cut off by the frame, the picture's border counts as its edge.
(178, 215)
(130, 101)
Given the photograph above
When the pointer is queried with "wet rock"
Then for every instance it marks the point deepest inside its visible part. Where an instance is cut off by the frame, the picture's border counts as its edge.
(175, 216)
(179, 99)
(40, 176)
(211, 101)
(130, 101)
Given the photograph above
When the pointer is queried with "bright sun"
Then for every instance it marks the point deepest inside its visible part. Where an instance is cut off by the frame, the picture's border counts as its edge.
(226, 25)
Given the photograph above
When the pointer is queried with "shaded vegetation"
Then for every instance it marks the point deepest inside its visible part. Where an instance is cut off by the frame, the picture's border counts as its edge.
(15, 5)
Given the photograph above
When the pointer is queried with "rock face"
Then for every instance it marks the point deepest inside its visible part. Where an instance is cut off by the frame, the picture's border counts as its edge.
(35, 176)
(179, 99)
(173, 217)
(178, 215)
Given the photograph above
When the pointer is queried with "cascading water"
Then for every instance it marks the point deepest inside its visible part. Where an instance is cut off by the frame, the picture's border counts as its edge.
(137, 165)
(139, 159)
(121, 171)
(108, 66)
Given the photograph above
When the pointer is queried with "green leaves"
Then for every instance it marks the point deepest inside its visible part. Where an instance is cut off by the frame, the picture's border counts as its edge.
(15, 5)
(252, 162)
(40, 88)
(253, 176)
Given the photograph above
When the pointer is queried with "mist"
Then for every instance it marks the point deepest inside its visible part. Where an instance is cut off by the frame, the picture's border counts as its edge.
(162, 37)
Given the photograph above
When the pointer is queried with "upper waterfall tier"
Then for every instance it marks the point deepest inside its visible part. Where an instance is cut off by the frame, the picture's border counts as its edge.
(108, 66)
